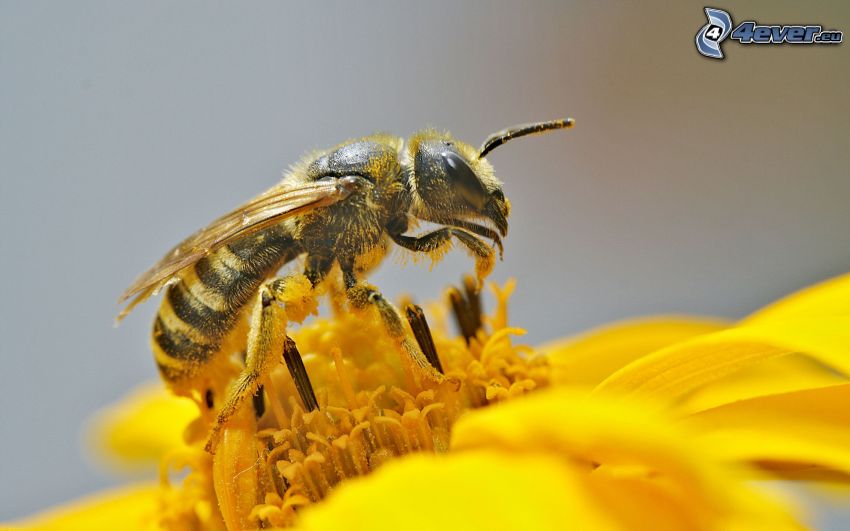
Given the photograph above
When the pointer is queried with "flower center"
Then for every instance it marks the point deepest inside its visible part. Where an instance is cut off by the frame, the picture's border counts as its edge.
(351, 400)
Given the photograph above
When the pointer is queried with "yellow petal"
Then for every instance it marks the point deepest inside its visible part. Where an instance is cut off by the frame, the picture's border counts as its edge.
(235, 469)
(808, 427)
(670, 373)
(591, 357)
(638, 464)
(476, 490)
(591, 429)
(640, 502)
(141, 428)
(793, 372)
(779, 449)
(825, 405)
(829, 298)
(130, 508)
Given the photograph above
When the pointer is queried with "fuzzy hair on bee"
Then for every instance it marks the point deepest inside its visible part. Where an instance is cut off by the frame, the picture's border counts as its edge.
(341, 209)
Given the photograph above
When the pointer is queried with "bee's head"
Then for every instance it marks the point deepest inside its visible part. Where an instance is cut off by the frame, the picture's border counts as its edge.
(450, 179)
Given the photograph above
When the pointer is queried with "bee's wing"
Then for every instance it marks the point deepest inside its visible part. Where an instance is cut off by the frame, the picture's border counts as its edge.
(273, 206)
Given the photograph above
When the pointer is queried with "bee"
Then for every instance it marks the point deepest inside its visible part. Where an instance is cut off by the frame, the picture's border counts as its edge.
(340, 207)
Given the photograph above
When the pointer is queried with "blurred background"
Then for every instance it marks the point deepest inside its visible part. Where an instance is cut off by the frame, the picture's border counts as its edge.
(689, 185)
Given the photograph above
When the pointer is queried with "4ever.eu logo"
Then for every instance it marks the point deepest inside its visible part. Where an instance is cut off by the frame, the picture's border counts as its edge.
(719, 27)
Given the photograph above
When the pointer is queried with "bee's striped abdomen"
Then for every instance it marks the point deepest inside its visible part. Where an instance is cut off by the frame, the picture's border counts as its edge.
(203, 305)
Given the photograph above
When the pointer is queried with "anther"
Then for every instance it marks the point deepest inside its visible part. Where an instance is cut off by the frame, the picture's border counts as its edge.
(467, 308)
(422, 333)
(473, 297)
(461, 313)
(259, 402)
(299, 375)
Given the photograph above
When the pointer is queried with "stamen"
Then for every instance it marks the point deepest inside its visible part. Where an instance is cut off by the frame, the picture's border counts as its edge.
(259, 402)
(299, 375)
(274, 393)
(344, 382)
(422, 333)
(467, 308)
(461, 314)
(473, 297)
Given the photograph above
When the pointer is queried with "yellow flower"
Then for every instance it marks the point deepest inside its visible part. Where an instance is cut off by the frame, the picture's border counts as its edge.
(556, 460)
(662, 422)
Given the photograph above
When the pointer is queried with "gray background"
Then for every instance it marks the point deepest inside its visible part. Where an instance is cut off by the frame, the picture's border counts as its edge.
(688, 185)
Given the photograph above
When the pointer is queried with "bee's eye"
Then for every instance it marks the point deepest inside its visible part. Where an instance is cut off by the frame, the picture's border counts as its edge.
(464, 179)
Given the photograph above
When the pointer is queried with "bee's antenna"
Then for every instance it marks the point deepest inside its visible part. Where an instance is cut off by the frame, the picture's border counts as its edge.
(497, 139)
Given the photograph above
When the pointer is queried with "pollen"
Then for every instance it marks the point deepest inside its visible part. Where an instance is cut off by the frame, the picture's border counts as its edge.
(373, 406)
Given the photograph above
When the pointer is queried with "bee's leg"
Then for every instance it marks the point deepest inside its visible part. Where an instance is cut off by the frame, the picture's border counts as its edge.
(433, 242)
(279, 301)
(361, 294)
